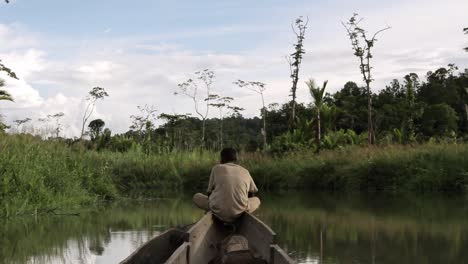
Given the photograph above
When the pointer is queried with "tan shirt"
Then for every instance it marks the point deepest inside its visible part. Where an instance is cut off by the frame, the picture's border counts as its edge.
(229, 186)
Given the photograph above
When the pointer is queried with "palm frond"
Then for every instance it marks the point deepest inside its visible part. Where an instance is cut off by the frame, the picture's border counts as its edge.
(316, 92)
(4, 95)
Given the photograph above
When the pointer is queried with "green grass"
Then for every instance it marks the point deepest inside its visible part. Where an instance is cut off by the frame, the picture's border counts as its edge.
(39, 176)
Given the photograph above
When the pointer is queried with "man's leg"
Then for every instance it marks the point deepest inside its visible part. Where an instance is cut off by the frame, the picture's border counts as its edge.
(254, 204)
(201, 201)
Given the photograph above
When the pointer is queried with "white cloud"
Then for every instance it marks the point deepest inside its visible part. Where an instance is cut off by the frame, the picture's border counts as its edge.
(146, 69)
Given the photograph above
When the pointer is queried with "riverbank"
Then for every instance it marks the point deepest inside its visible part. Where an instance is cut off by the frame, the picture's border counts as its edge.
(39, 176)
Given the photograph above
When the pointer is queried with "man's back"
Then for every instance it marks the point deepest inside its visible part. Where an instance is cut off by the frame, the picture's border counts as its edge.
(229, 186)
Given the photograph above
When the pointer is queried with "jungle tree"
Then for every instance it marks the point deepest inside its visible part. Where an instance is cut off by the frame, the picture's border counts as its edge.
(191, 88)
(317, 94)
(411, 83)
(43, 130)
(144, 121)
(259, 88)
(439, 120)
(58, 126)
(95, 128)
(225, 109)
(21, 122)
(3, 127)
(362, 46)
(4, 95)
(8, 71)
(97, 93)
(294, 61)
(171, 121)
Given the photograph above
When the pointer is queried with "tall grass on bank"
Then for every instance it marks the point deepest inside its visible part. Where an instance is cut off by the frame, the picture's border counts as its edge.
(42, 176)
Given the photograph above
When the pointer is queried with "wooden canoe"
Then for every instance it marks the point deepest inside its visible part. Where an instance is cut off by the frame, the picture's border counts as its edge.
(207, 241)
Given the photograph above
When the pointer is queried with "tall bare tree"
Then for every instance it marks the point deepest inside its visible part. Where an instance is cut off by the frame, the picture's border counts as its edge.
(294, 61)
(172, 120)
(21, 122)
(58, 125)
(362, 46)
(97, 93)
(259, 88)
(191, 88)
(225, 108)
(145, 119)
(317, 94)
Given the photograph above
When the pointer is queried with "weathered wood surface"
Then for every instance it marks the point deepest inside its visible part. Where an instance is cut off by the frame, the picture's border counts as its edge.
(158, 249)
(180, 256)
(278, 256)
(259, 235)
(203, 237)
(210, 241)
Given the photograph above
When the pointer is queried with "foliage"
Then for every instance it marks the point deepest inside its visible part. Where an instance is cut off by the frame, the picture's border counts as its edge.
(4, 95)
(294, 61)
(466, 32)
(44, 176)
(7, 70)
(55, 175)
(362, 46)
(342, 138)
(97, 93)
(145, 120)
(439, 120)
(259, 88)
(190, 88)
(317, 94)
(95, 128)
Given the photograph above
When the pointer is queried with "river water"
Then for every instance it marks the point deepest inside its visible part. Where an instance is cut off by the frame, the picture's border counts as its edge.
(313, 228)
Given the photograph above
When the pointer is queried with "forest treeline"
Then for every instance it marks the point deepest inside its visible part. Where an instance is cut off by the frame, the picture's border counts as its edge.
(409, 111)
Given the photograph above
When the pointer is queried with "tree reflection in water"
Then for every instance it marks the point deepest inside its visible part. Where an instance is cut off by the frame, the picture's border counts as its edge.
(318, 228)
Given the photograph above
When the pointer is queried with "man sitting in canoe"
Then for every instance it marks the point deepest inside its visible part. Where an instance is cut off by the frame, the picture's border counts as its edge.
(229, 190)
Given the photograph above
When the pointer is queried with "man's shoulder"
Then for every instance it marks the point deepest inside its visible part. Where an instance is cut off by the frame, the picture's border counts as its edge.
(230, 166)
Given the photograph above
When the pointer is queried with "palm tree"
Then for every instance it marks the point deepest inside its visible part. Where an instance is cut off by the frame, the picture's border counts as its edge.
(317, 94)
(466, 32)
(4, 95)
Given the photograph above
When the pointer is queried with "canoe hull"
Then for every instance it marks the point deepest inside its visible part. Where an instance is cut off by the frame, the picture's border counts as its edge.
(203, 243)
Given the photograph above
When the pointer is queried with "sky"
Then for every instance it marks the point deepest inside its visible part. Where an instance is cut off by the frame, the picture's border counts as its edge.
(140, 50)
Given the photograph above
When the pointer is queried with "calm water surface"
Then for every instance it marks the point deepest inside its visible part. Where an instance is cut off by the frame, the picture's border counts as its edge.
(313, 228)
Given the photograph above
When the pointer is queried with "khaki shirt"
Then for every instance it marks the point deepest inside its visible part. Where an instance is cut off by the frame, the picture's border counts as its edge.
(229, 186)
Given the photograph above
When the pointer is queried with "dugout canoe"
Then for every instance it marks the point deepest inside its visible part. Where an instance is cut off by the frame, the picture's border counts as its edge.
(249, 240)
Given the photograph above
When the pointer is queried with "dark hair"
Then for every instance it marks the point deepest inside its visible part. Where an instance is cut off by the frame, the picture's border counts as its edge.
(228, 155)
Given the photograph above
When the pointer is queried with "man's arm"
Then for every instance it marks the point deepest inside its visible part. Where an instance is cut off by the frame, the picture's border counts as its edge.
(211, 183)
(252, 187)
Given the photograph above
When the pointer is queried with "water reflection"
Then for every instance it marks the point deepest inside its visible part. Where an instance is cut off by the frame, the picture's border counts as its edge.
(314, 228)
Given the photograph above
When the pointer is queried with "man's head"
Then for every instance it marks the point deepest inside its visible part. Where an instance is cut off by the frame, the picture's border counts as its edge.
(228, 155)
